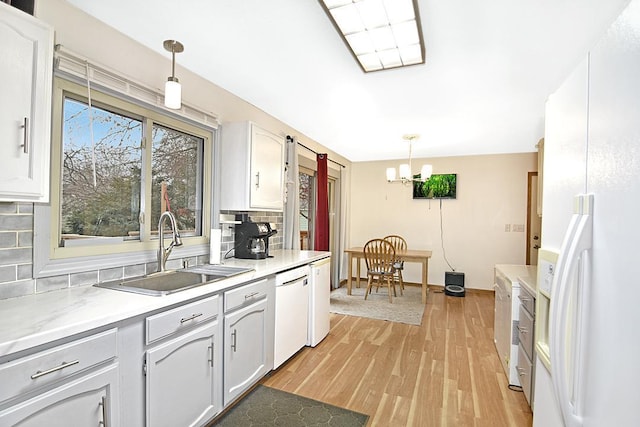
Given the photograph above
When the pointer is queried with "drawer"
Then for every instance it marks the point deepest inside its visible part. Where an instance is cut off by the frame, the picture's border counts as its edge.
(244, 295)
(526, 331)
(527, 300)
(184, 317)
(46, 367)
(525, 372)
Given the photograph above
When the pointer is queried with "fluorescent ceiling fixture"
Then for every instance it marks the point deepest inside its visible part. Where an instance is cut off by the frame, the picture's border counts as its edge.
(381, 34)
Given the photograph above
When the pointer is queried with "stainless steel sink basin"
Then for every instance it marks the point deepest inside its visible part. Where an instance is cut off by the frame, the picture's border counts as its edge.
(165, 283)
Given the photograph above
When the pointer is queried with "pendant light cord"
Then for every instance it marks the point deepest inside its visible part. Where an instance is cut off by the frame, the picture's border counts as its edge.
(93, 145)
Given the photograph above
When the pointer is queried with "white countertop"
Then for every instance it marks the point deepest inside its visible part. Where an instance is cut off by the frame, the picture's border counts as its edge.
(34, 320)
(524, 275)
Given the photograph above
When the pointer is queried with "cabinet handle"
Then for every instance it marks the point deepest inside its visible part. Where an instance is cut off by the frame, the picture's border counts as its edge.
(523, 330)
(103, 405)
(233, 344)
(57, 368)
(25, 144)
(251, 295)
(296, 280)
(211, 355)
(193, 316)
(257, 180)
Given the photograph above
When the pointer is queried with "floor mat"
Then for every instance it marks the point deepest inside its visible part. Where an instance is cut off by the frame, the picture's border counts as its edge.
(404, 309)
(266, 406)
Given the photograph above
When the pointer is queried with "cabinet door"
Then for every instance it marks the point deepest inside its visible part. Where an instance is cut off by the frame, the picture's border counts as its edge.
(26, 45)
(267, 169)
(182, 379)
(89, 401)
(245, 351)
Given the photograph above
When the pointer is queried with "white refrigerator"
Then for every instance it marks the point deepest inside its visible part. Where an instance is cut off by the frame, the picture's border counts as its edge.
(591, 322)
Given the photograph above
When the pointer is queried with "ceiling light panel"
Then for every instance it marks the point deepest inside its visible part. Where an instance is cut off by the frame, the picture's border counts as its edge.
(381, 34)
(370, 62)
(361, 43)
(399, 10)
(372, 13)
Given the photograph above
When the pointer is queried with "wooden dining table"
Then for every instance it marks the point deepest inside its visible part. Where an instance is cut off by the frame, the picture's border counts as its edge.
(409, 255)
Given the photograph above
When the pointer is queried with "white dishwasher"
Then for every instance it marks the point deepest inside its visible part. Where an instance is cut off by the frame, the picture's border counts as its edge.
(292, 313)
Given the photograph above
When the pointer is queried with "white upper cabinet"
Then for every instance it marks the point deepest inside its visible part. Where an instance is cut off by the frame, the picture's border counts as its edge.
(26, 49)
(252, 168)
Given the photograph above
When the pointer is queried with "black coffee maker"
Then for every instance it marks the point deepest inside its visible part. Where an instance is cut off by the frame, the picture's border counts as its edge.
(252, 240)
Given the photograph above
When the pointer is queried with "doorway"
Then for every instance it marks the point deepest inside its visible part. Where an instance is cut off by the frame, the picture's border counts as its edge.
(307, 214)
(308, 190)
(534, 222)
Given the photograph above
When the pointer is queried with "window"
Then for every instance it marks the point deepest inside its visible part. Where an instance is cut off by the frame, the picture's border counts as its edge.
(101, 181)
(307, 207)
(116, 177)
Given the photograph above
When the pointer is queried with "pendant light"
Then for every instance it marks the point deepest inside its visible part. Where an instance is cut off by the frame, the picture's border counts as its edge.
(172, 88)
(405, 172)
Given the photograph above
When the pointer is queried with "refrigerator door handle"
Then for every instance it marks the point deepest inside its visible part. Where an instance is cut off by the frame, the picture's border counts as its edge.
(573, 251)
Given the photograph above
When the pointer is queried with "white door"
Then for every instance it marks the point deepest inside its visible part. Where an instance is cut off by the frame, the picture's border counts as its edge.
(612, 372)
(267, 169)
(26, 46)
(91, 400)
(181, 382)
(245, 349)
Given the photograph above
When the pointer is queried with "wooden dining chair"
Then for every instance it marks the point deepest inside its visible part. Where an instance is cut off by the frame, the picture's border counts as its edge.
(400, 245)
(379, 256)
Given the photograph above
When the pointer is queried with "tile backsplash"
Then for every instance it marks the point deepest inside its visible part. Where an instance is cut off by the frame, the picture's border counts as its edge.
(16, 254)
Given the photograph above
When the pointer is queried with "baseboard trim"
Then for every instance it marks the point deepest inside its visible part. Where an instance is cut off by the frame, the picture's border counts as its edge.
(439, 288)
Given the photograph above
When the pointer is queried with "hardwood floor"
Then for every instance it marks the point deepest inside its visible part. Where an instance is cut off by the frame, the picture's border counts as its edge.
(445, 372)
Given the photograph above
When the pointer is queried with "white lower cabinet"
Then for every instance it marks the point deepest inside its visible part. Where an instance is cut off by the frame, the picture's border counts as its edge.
(72, 384)
(91, 400)
(182, 384)
(184, 373)
(247, 348)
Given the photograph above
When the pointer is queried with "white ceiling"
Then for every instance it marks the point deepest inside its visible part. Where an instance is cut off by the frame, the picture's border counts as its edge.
(490, 66)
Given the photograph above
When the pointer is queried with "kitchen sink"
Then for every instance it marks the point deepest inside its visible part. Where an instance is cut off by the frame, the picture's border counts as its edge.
(158, 284)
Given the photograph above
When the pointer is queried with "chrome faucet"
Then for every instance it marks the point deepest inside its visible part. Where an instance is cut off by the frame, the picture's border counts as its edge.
(163, 253)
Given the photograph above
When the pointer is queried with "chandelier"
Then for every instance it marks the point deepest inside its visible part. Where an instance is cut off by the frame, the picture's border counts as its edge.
(405, 172)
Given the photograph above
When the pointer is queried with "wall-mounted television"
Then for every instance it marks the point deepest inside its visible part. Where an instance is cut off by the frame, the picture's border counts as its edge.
(439, 186)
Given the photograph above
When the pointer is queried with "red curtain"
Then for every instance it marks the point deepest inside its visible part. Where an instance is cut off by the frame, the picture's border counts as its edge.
(322, 206)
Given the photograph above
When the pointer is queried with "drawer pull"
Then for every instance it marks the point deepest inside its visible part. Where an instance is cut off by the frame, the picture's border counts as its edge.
(193, 316)
(251, 295)
(523, 330)
(57, 368)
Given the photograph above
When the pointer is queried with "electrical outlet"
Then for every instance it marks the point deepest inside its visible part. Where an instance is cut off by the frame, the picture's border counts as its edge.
(518, 228)
(507, 227)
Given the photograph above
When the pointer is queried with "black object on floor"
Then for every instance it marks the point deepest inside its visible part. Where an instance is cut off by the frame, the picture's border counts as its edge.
(454, 284)
(266, 406)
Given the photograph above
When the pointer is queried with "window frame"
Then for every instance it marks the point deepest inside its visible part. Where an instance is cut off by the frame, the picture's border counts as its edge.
(52, 259)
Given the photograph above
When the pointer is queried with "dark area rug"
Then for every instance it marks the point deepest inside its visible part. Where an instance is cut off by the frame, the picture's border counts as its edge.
(266, 406)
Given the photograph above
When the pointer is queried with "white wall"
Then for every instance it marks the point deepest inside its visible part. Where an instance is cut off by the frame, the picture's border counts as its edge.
(493, 187)
(84, 35)
(491, 192)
